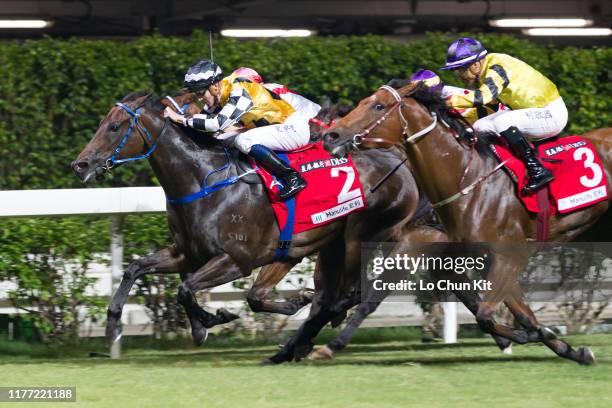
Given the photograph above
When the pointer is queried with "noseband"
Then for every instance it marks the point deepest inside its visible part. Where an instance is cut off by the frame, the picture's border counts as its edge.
(359, 138)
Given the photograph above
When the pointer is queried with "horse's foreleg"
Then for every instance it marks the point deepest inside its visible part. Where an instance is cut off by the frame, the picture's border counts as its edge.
(166, 260)
(219, 270)
(267, 279)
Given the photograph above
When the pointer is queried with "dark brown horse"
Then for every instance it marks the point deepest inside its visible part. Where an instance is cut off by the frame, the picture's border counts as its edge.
(223, 236)
(419, 120)
(269, 275)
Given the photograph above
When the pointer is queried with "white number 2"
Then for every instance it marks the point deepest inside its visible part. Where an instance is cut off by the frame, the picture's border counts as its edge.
(345, 194)
(589, 164)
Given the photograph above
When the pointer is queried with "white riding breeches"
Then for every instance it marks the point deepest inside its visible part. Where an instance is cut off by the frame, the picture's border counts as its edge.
(535, 123)
(290, 135)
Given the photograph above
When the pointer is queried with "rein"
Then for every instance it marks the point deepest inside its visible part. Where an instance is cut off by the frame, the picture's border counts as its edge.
(176, 106)
(206, 190)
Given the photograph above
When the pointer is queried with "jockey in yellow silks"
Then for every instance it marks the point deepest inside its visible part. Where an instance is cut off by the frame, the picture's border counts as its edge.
(537, 109)
(431, 80)
(272, 124)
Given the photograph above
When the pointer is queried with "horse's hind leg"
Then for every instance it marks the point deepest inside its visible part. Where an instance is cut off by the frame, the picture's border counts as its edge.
(525, 316)
(471, 299)
(219, 270)
(269, 276)
(331, 265)
(166, 260)
(503, 277)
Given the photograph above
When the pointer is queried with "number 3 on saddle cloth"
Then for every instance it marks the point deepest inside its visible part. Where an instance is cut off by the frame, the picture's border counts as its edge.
(333, 191)
(579, 176)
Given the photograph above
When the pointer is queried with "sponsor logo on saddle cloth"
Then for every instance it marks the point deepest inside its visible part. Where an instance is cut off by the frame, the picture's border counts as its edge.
(333, 191)
(579, 181)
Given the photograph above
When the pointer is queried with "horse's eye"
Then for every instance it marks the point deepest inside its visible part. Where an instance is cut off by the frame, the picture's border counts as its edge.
(113, 127)
(379, 106)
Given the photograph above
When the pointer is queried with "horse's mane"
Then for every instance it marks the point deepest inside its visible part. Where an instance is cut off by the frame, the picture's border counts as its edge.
(434, 102)
(338, 110)
(327, 114)
(132, 96)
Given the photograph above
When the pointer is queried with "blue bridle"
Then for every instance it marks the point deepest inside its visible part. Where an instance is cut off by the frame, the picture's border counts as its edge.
(113, 161)
(205, 189)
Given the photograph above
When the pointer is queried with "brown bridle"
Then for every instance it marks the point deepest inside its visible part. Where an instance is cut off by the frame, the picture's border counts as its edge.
(362, 137)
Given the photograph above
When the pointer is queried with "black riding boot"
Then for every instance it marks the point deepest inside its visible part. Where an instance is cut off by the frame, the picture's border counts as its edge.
(538, 175)
(292, 181)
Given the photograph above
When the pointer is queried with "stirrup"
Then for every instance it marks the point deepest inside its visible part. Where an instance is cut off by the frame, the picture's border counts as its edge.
(289, 190)
(530, 189)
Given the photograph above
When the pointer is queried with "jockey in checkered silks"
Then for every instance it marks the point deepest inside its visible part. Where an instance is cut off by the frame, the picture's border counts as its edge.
(272, 124)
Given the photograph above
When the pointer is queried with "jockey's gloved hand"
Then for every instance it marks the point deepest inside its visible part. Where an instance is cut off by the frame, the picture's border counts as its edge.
(174, 116)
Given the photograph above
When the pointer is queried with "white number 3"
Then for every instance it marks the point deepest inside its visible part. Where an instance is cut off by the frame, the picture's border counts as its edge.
(589, 164)
(345, 194)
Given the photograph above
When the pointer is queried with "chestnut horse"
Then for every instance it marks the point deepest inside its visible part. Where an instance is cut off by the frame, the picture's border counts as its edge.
(488, 211)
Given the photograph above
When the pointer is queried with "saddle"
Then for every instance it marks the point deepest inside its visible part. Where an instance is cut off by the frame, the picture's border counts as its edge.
(239, 163)
(577, 168)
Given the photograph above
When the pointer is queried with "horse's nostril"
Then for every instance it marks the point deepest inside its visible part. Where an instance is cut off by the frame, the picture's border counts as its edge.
(80, 166)
(332, 136)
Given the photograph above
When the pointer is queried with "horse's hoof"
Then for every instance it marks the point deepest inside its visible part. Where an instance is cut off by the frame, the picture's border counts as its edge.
(199, 336)
(226, 316)
(322, 353)
(587, 357)
(508, 350)
(502, 342)
(302, 351)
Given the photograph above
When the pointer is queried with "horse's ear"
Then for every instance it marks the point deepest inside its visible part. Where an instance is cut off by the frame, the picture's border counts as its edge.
(397, 83)
(408, 89)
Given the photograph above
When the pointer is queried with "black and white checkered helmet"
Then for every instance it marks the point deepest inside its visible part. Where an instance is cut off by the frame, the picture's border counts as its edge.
(201, 75)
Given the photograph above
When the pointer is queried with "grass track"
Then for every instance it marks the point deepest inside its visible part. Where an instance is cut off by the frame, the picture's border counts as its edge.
(389, 374)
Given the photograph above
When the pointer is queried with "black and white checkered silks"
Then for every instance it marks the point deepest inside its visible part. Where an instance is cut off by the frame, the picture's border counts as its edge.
(238, 103)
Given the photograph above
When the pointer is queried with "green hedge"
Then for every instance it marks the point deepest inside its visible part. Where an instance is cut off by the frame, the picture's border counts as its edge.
(53, 93)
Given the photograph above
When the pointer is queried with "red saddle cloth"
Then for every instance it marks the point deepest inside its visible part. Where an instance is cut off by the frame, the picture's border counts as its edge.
(333, 191)
(579, 182)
